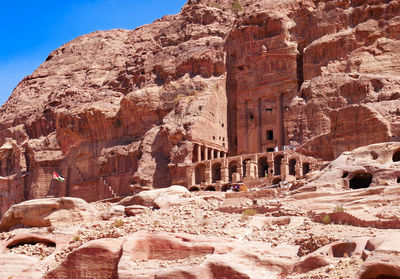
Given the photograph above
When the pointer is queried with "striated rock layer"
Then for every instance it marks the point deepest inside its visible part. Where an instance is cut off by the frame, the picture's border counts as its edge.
(116, 108)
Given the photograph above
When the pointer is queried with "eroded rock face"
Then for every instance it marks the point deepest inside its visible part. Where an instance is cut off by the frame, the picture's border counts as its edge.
(125, 107)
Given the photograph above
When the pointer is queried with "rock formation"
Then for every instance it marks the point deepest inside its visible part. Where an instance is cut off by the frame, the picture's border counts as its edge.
(118, 108)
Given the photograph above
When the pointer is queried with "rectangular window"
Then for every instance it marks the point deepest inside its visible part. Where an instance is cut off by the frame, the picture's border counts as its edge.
(270, 135)
(269, 110)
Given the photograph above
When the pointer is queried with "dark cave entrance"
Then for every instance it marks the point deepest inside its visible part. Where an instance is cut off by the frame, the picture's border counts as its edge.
(361, 180)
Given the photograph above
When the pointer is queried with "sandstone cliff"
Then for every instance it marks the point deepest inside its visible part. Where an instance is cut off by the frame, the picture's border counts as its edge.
(120, 107)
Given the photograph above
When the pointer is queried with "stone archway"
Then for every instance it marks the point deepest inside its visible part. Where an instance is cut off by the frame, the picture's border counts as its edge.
(233, 167)
(292, 167)
(263, 167)
(216, 172)
(210, 188)
(200, 174)
(277, 164)
(194, 189)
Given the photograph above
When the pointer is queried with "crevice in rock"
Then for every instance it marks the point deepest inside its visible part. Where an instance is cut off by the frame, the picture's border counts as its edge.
(299, 64)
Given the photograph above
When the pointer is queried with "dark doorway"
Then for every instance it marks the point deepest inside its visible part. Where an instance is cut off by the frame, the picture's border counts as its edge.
(210, 188)
(292, 167)
(200, 174)
(216, 172)
(361, 180)
(306, 168)
(263, 167)
(277, 164)
(232, 169)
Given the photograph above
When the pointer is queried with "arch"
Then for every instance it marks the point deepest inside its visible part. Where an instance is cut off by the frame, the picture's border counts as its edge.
(244, 167)
(396, 156)
(216, 172)
(225, 188)
(292, 167)
(200, 173)
(276, 180)
(32, 240)
(194, 189)
(380, 270)
(306, 168)
(277, 164)
(263, 167)
(361, 180)
(210, 188)
(232, 169)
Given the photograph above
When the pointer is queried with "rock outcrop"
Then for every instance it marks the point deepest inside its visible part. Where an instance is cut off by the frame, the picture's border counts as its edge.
(48, 212)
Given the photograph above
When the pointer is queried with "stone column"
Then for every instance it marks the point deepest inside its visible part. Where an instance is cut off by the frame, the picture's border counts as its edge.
(247, 124)
(208, 173)
(280, 123)
(260, 137)
(198, 153)
(212, 154)
(205, 153)
(225, 173)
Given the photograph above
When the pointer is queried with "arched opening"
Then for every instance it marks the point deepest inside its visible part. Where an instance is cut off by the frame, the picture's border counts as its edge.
(396, 156)
(200, 173)
(244, 167)
(341, 250)
(210, 188)
(306, 168)
(276, 180)
(292, 167)
(31, 241)
(380, 271)
(398, 179)
(232, 169)
(361, 180)
(194, 189)
(277, 164)
(216, 172)
(225, 188)
(263, 167)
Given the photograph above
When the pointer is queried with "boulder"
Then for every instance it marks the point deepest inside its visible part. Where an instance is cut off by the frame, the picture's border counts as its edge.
(95, 259)
(148, 198)
(48, 212)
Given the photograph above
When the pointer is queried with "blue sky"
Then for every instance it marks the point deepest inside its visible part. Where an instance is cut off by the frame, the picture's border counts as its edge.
(30, 30)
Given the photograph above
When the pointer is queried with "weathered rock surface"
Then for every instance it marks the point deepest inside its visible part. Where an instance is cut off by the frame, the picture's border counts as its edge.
(19, 266)
(48, 212)
(95, 259)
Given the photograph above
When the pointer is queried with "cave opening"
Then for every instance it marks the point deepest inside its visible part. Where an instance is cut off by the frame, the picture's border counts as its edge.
(361, 180)
(396, 156)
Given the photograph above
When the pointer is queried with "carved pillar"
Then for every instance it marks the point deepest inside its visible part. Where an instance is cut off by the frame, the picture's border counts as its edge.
(247, 125)
(198, 153)
(212, 154)
(260, 125)
(280, 122)
(205, 153)
(208, 173)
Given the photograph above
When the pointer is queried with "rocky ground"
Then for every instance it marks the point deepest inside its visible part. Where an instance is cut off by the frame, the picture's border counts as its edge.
(199, 214)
